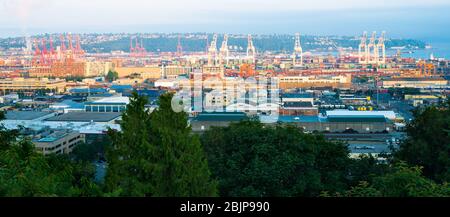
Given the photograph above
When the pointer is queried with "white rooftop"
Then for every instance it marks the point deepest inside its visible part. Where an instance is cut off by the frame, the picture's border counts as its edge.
(82, 127)
(340, 112)
(116, 99)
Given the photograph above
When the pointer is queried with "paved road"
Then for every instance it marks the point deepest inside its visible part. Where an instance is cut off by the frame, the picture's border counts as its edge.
(100, 171)
(403, 108)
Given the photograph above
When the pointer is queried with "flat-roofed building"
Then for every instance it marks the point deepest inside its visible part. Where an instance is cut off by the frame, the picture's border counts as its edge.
(129, 81)
(364, 124)
(32, 84)
(166, 83)
(84, 122)
(60, 69)
(213, 71)
(342, 112)
(28, 115)
(421, 96)
(108, 104)
(175, 71)
(67, 106)
(84, 92)
(341, 124)
(297, 97)
(299, 108)
(415, 82)
(298, 104)
(97, 68)
(204, 121)
(58, 142)
(350, 99)
(339, 81)
(147, 72)
(88, 117)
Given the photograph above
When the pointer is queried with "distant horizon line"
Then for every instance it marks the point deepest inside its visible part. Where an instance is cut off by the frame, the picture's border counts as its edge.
(198, 33)
(6, 33)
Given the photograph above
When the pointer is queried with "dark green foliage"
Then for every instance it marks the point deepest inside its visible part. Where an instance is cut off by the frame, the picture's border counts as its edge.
(364, 169)
(129, 157)
(250, 159)
(428, 143)
(401, 180)
(75, 78)
(112, 76)
(407, 181)
(26, 173)
(88, 152)
(156, 155)
(363, 189)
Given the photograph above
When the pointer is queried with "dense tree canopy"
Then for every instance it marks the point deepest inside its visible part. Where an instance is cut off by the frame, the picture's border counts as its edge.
(156, 155)
(250, 159)
(401, 181)
(112, 76)
(428, 142)
(27, 173)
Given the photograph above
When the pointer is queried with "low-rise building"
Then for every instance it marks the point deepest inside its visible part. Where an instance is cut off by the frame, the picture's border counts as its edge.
(58, 142)
(32, 84)
(204, 121)
(97, 68)
(298, 104)
(415, 82)
(87, 123)
(350, 124)
(87, 117)
(108, 104)
(84, 92)
(148, 72)
(299, 108)
(329, 81)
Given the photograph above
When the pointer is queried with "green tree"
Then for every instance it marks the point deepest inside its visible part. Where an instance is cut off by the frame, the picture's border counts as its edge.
(130, 156)
(27, 173)
(363, 189)
(112, 76)
(400, 181)
(156, 154)
(428, 142)
(405, 181)
(364, 169)
(250, 159)
(6, 136)
(183, 168)
(88, 152)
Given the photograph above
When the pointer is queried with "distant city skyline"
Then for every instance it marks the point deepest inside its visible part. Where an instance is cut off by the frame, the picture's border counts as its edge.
(402, 18)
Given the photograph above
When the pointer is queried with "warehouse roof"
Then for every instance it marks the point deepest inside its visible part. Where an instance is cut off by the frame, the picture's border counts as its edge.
(88, 90)
(297, 105)
(25, 115)
(387, 114)
(86, 117)
(354, 118)
(121, 87)
(220, 116)
(302, 119)
(297, 95)
(111, 101)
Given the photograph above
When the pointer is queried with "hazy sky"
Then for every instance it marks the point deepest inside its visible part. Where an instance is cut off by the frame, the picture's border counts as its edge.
(401, 18)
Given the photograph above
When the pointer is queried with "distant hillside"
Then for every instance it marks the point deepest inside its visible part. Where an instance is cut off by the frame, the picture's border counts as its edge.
(95, 43)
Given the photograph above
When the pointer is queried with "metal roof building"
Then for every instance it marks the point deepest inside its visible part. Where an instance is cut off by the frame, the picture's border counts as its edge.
(87, 117)
(28, 115)
(347, 113)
